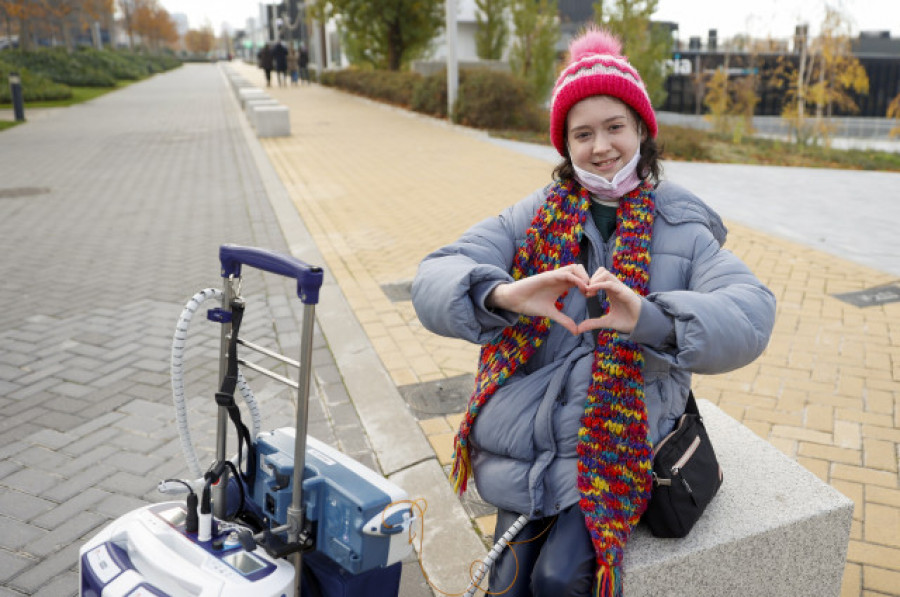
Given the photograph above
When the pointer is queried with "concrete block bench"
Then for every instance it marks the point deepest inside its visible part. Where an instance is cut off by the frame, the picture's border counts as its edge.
(774, 529)
(253, 103)
(271, 121)
(246, 93)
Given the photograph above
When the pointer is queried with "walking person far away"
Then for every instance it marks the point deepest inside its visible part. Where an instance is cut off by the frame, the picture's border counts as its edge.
(567, 406)
(266, 62)
(280, 54)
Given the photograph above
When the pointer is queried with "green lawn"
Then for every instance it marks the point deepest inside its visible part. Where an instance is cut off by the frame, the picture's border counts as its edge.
(79, 94)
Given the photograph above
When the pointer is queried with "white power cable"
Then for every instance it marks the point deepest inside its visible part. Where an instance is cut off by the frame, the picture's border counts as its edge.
(177, 369)
(495, 552)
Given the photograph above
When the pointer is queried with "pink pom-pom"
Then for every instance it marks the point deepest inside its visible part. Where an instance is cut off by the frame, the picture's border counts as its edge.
(594, 41)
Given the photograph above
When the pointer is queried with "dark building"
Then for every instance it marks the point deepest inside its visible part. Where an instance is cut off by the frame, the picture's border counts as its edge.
(877, 52)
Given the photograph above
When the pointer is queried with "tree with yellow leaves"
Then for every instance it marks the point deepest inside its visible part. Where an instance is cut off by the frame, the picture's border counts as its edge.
(153, 23)
(200, 41)
(893, 112)
(25, 14)
(824, 78)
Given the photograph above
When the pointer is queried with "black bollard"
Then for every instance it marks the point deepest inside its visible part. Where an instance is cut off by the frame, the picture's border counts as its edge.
(15, 89)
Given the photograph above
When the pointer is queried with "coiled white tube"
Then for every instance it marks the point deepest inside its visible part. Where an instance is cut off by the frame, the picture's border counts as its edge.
(495, 552)
(177, 372)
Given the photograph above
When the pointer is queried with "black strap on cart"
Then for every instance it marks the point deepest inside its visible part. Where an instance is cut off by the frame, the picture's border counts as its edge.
(225, 397)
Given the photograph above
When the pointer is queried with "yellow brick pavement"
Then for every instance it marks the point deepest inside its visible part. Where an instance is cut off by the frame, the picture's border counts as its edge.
(378, 188)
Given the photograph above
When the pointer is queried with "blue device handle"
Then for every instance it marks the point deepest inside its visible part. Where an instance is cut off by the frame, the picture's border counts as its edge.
(309, 277)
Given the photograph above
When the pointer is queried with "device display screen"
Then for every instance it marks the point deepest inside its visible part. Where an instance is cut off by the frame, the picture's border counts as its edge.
(243, 562)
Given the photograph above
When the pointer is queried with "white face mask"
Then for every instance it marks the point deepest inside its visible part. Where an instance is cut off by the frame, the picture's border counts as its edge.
(624, 180)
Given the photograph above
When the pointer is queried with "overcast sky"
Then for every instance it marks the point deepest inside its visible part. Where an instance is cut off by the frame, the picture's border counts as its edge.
(759, 18)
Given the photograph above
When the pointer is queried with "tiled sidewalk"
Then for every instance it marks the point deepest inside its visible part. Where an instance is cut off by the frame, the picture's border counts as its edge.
(378, 188)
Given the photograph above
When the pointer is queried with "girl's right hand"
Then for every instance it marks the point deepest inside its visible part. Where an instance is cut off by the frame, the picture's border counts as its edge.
(537, 295)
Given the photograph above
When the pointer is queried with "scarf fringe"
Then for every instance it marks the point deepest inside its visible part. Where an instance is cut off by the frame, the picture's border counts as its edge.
(462, 466)
(609, 581)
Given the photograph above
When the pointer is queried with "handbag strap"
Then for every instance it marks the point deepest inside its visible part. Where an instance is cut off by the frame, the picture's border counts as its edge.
(691, 407)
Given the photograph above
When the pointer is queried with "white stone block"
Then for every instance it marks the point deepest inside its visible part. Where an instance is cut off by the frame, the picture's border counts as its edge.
(252, 103)
(246, 93)
(773, 530)
(272, 121)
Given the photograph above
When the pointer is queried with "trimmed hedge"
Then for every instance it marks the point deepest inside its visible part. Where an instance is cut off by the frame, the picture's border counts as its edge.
(393, 87)
(57, 64)
(88, 67)
(122, 66)
(34, 87)
(496, 100)
(486, 99)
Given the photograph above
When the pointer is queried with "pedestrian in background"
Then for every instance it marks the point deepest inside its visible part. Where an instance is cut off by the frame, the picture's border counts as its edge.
(265, 61)
(293, 66)
(594, 299)
(280, 54)
(303, 63)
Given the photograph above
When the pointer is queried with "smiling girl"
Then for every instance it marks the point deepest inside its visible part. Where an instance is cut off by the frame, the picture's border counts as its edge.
(567, 406)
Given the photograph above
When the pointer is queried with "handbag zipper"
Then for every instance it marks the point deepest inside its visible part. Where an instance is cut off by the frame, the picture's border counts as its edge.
(676, 469)
(686, 456)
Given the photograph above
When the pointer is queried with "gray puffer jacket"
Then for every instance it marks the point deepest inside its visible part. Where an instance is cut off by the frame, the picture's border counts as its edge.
(705, 313)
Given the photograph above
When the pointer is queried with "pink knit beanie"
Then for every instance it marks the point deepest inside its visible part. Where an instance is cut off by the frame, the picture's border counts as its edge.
(596, 67)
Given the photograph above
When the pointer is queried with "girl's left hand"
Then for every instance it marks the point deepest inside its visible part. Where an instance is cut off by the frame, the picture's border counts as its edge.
(624, 304)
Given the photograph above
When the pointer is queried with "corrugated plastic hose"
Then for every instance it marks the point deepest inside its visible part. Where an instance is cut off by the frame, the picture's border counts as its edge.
(178, 346)
(492, 555)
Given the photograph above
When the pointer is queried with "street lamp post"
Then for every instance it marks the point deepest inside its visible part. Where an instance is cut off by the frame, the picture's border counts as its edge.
(15, 90)
(452, 66)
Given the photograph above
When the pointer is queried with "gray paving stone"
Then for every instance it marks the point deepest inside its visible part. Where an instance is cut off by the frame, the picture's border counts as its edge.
(8, 467)
(71, 508)
(30, 481)
(10, 373)
(71, 389)
(12, 449)
(134, 463)
(125, 483)
(79, 482)
(144, 408)
(56, 420)
(50, 438)
(23, 506)
(15, 533)
(96, 423)
(62, 585)
(84, 446)
(36, 576)
(11, 564)
(42, 459)
(116, 505)
(64, 534)
(27, 390)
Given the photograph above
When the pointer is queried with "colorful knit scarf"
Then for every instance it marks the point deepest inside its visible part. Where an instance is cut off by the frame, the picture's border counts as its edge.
(614, 454)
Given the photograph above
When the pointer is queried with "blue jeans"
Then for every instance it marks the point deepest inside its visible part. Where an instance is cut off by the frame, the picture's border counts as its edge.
(559, 563)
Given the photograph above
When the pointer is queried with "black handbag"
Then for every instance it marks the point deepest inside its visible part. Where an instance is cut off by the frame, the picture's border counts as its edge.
(686, 476)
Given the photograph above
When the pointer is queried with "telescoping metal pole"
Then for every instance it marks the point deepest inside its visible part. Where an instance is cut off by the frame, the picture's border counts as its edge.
(220, 507)
(295, 512)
